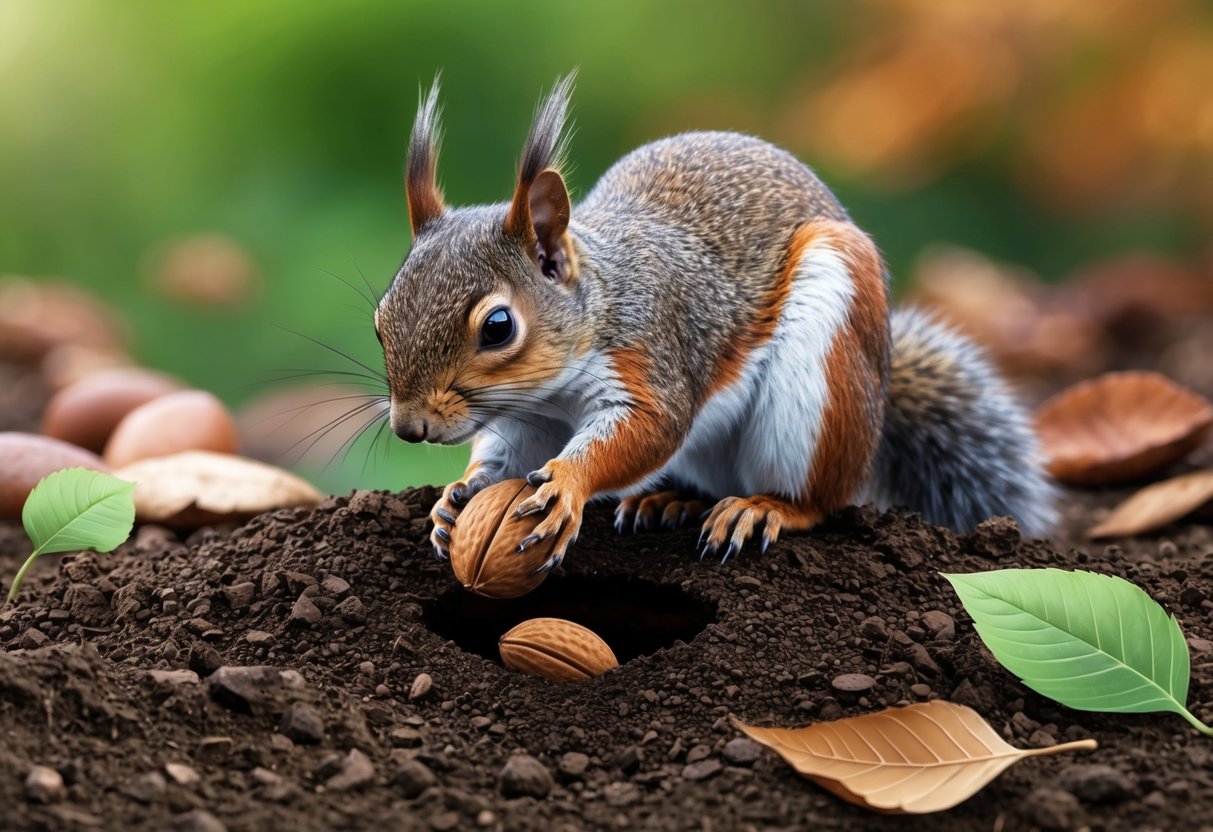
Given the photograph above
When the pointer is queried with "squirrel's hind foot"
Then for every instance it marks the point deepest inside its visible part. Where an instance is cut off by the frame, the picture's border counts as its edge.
(661, 509)
(734, 520)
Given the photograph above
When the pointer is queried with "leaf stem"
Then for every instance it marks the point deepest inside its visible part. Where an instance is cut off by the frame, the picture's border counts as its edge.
(1076, 745)
(16, 585)
(1196, 723)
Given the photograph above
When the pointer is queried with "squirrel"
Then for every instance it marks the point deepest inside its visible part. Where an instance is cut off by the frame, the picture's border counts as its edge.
(707, 322)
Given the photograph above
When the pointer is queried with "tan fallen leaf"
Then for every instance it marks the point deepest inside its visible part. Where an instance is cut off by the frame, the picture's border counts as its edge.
(1120, 427)
(1157, 505)
(194, 488)
(923, 758)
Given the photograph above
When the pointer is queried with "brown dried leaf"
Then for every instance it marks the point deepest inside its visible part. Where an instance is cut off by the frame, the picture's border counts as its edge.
(1120, 427)
(923, 758)
(195, 488)
(1157, 505)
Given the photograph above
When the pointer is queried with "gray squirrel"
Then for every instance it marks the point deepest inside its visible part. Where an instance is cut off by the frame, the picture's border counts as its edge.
(707, 322)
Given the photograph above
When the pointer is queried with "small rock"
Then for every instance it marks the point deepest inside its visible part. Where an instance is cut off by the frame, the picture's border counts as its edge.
(628, 760)
(620, 794)
(305, 611)
(240, 595)
(32, 639)
(940, 625)
(204, 659)
(698, 752)
(146, 788)
(351, 610)
(853, 683)
(1053, 809)
(445, 821)
(198, 820)
(702, 770)
(240, 688)
(334, 586)
(44, 785)
(1096, 783)
(174, 678)
(264, 777)
(572, 766)
(874, 629)
(406, 737)
(181, 774)
(259, 638)
(524, 776)
(412, 778)
(740, 751)
(421, 686)
(920, 690)
(329, 766)
(356, 771)
(214, 749)
(303, 724)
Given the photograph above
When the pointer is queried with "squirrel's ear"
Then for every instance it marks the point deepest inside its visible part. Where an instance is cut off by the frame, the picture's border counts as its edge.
(539, 212)
(549, 204)
(421, 169)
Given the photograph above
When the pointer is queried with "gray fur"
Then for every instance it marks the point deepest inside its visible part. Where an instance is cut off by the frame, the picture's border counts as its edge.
(957, 447)
(546, 143)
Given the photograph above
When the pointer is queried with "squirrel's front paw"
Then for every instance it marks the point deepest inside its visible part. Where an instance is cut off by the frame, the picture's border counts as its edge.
(560, 493)
(445, 512)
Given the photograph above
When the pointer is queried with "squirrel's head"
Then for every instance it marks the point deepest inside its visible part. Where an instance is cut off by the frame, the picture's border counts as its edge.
(481, 314)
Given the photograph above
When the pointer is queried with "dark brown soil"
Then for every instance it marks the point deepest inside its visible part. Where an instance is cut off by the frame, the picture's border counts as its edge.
(348, 601)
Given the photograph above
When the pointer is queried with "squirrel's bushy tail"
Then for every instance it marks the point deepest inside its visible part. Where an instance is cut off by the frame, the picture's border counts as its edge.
(956, 447)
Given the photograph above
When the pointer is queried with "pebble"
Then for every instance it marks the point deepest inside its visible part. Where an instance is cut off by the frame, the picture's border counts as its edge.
(334, 586)
(628, 760)
(302, 724)
(198, 820)
(1095, 783)
(44, 785)
(351, 610)
(356, 771)
(146, 788)
(174, 678)
(32, 639)
(939, 624)
(698, 752)
(421, 686)
(740, 751)
(305, 611)
(572, 766)
(240, 595)
(853, 683)
(406, 737)
(702, 770)
(214, 749)
(1053, 809)
(181, 774)
(920, 690)
(240, 688)
(524, 776)
(259, 638)
(413, 777)
(874, 629)
(265, 777)
(445, 821)
(620, 794)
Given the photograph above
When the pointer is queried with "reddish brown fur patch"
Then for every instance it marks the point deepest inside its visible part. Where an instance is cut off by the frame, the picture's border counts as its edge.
(851, 423)
(640, 443)
(423, 195)
(758, 332)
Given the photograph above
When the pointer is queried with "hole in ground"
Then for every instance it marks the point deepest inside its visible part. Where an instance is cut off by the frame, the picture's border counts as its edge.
(635, 617)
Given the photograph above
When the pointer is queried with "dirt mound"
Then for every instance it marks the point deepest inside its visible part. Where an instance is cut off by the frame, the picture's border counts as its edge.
(260, 677)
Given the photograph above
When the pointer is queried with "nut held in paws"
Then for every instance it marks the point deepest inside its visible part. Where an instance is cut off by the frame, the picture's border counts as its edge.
(485, 538)
(556, 649)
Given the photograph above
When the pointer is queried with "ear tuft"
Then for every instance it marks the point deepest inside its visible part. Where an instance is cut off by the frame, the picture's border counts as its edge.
(544, 149)
(421, 169)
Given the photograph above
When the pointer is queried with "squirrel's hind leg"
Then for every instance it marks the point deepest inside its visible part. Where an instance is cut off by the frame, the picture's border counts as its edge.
(667, 509)
(734, 519)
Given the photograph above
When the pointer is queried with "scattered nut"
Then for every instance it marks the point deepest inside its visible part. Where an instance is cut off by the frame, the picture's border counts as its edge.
(555, 649)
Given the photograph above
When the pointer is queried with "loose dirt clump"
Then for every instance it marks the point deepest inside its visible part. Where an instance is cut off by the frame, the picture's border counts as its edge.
(317, 669)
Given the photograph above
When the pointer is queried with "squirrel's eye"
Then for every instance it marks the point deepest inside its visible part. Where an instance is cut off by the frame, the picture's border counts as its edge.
(498, 329)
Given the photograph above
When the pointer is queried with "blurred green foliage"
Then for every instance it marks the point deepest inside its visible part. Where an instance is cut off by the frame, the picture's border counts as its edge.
(283, 124)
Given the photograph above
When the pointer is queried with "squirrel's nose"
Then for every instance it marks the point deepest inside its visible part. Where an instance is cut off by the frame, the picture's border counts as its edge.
(414, 430)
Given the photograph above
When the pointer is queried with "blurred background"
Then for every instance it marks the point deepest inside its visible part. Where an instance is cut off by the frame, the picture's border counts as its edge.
(218, 172)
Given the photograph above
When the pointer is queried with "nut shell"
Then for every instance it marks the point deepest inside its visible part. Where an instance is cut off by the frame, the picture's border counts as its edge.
(556, 649)
(26, 458)
(87, 412)
(1120, 428)
(485, 538)
(191, 420)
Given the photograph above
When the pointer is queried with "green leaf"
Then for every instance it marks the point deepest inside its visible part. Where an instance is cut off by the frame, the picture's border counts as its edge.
(76, 509)
(1091, 642)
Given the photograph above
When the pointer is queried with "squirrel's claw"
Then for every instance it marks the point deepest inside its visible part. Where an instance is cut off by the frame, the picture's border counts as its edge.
(733, 521)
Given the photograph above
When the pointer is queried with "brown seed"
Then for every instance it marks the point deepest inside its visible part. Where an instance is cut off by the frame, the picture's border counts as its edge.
(484, 543)
(1120, 427)
(26, 458)
(86, 413)
(191, 420)
(555, 649)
